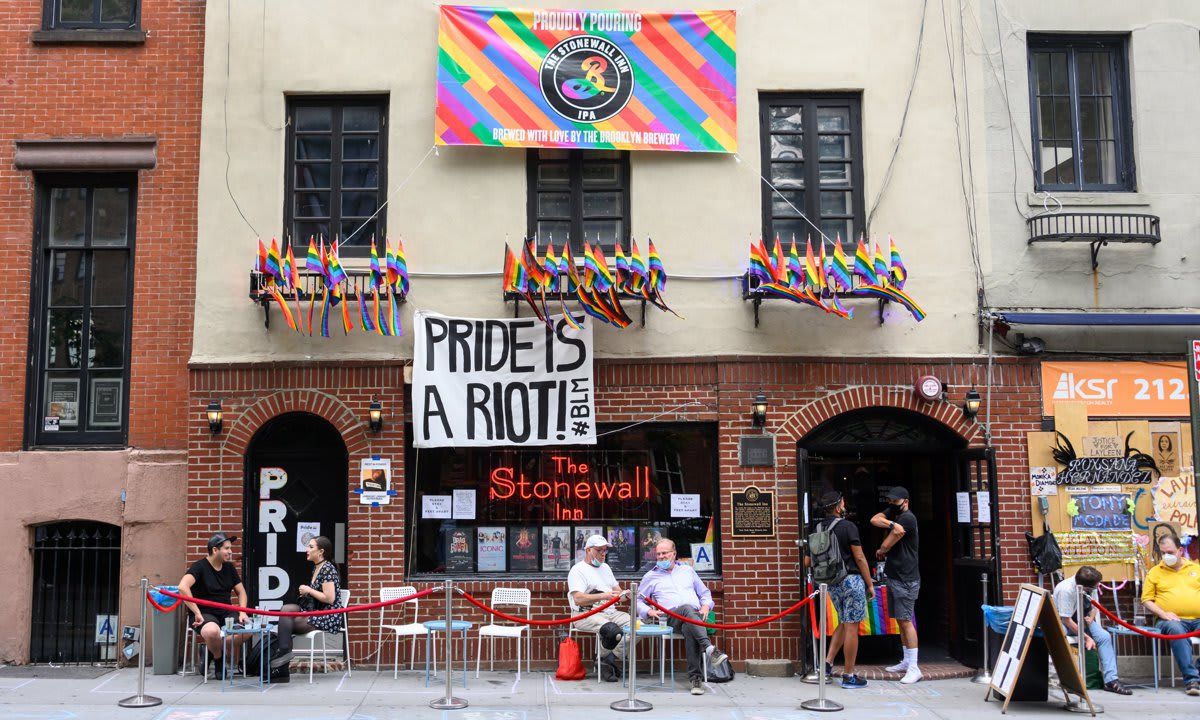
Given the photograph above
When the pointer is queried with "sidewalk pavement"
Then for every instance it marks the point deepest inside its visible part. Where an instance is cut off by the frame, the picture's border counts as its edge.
(369, 695)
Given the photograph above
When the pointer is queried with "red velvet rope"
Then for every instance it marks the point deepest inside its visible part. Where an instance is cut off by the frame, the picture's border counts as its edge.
(531, 621)
(812, 607)
(732, 626)
(283, 613)
(1139, 631)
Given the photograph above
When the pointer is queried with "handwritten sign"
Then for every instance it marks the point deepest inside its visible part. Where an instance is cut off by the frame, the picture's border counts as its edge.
(1103, 471)
(1106, 513)
(1102, 446)
(437, 507)
(1175, 501)
(1041, 481)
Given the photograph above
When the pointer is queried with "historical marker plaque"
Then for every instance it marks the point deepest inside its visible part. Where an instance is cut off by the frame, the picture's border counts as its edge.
(753, 513)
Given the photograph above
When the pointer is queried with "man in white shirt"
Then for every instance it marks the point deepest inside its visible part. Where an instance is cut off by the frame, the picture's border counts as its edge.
(1095, 636)
(591, 582)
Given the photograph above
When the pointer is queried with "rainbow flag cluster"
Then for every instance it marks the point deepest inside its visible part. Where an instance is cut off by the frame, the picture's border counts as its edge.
(281, 275)
(820, 280)
(598, 288)
(878, 620)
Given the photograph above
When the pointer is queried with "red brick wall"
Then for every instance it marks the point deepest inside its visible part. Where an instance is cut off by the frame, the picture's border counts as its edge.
(758, 576)
(92, 91)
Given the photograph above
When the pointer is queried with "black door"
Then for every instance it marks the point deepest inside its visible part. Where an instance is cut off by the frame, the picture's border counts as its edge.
(296, 483)
(974, 556)
(76, 575)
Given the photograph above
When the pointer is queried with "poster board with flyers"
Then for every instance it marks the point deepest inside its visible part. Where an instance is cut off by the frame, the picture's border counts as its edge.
(1079, 501)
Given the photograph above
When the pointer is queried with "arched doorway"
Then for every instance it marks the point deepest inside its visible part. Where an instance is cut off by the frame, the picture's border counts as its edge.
(862, 453)
(296, 483)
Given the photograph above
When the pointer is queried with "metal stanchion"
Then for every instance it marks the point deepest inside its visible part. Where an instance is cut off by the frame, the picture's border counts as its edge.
(449, 702)
(1078, 705)
(631, 703)
(821, 703)
(141, 700)
(984, 676)
(818, 663)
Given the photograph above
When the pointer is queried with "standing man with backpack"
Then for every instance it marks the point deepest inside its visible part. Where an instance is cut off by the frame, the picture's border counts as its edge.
(834, 549)
(903, 573)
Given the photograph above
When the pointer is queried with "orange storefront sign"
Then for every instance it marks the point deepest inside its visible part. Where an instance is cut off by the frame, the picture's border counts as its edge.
(1118, 389)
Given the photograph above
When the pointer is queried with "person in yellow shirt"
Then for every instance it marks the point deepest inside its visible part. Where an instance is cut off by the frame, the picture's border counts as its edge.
(1172, 592)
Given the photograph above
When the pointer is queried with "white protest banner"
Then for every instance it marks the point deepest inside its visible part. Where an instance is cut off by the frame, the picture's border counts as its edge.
(501, 382)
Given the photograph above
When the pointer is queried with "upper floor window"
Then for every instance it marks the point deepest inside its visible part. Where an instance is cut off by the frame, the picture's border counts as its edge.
(578, 195)
(336, 170)
(82, 296)
(91, 14)
(1081, 124)
(812, 153)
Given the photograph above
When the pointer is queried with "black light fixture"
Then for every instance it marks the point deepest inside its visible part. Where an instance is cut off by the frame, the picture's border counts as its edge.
(215, 419)
(972, 403)
(375, 416)
(758, 411)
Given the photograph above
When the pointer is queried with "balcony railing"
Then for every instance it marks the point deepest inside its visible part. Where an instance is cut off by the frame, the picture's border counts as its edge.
(1096, 229)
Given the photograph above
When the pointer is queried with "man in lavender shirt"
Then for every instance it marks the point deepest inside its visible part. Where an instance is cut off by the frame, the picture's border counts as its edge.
(679, 588)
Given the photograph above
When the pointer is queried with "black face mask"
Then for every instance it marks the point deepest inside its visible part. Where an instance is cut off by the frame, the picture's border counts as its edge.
(892, 511)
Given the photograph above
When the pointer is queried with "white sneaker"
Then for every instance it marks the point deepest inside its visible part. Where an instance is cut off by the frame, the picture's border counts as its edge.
(911, 675)
(898, 667)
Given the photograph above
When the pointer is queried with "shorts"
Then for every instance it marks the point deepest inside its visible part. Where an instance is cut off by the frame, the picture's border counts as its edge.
(902, 598)
(850, 599)
(214, 615)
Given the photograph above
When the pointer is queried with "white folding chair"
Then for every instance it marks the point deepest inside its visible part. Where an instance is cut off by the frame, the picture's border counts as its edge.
(676, 635)
(572, 632)
(344, 599)
(412, 630)
(506, 597)
(191, 644)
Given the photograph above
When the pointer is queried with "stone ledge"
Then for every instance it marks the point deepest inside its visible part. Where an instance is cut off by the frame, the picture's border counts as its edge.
(770, 668)
(88, 37)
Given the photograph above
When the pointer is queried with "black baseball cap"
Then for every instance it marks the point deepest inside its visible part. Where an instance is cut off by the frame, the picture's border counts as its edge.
(219, 539)
(897, 493)
(829, 499)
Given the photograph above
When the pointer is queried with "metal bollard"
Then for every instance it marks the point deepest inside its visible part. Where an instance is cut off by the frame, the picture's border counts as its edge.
(1078, 705)
(449, 702)
(631, 703)
(984, 676)
(821, 703)
(141, 700)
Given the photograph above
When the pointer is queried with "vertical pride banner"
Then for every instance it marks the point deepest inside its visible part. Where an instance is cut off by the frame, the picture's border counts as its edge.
(594, 79)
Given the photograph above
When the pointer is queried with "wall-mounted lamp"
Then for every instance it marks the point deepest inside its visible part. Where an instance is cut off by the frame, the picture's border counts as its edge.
(375, 416)
(215, 419)
(758, 411)
(971, 404)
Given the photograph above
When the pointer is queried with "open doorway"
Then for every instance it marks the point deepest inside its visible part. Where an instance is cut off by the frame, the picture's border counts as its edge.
(864, 453)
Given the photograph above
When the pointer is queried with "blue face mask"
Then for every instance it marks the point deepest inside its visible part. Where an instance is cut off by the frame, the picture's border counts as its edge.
(664, 564)
(596, 562)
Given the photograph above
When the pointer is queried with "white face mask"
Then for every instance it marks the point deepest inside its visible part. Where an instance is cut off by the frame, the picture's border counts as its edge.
(1170, 560)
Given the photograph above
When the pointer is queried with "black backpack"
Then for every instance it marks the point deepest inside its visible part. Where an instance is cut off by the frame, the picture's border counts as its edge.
(826, 554)
(253, 655)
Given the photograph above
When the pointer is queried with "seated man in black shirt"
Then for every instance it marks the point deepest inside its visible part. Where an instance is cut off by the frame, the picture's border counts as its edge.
(214, 578)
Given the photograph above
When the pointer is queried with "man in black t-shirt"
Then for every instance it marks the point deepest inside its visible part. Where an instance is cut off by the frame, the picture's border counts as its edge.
(851, 594)
(903, 574)
(214, 578)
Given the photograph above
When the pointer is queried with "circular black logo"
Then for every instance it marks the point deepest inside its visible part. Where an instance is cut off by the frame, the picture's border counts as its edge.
(586, 79)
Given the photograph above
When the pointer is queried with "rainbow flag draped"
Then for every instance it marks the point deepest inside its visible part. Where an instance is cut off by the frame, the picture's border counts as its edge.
(878, 620)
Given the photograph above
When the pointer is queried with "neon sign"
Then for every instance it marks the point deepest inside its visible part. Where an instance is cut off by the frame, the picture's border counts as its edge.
(572, 482)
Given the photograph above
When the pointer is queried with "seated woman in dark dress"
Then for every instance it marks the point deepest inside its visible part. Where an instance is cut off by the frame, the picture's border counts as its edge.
(321, 594)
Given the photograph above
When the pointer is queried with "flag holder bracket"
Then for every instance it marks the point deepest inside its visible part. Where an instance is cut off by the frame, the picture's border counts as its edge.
(358, 282)
(751, 292)
(514, 297)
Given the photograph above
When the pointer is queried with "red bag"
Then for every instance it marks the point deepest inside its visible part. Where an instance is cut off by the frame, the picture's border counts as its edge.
(570, 667)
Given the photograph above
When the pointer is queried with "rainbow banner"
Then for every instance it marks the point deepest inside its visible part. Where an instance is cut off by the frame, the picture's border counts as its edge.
(878, 620)
(594, 79)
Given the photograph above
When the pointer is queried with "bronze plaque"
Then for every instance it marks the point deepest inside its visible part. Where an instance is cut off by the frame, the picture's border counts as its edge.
(753, 513)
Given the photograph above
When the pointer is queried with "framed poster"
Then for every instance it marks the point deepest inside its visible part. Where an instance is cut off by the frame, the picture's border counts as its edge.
(556, 547)
(523, 548)
(648, 539)
(458, 549)
(104, 403)
(490, 549)
(622, 548)
(62, 401)
(582, 533)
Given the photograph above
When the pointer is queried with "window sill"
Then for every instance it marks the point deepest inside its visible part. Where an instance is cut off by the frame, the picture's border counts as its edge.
(1087, 199)
(89, 37)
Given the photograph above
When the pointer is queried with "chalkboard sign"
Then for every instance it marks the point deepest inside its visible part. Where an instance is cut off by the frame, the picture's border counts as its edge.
(1107, 512)
(1104, 471)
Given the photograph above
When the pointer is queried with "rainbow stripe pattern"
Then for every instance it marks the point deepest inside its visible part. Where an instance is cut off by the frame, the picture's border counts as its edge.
(496, 82)
(877, 622)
